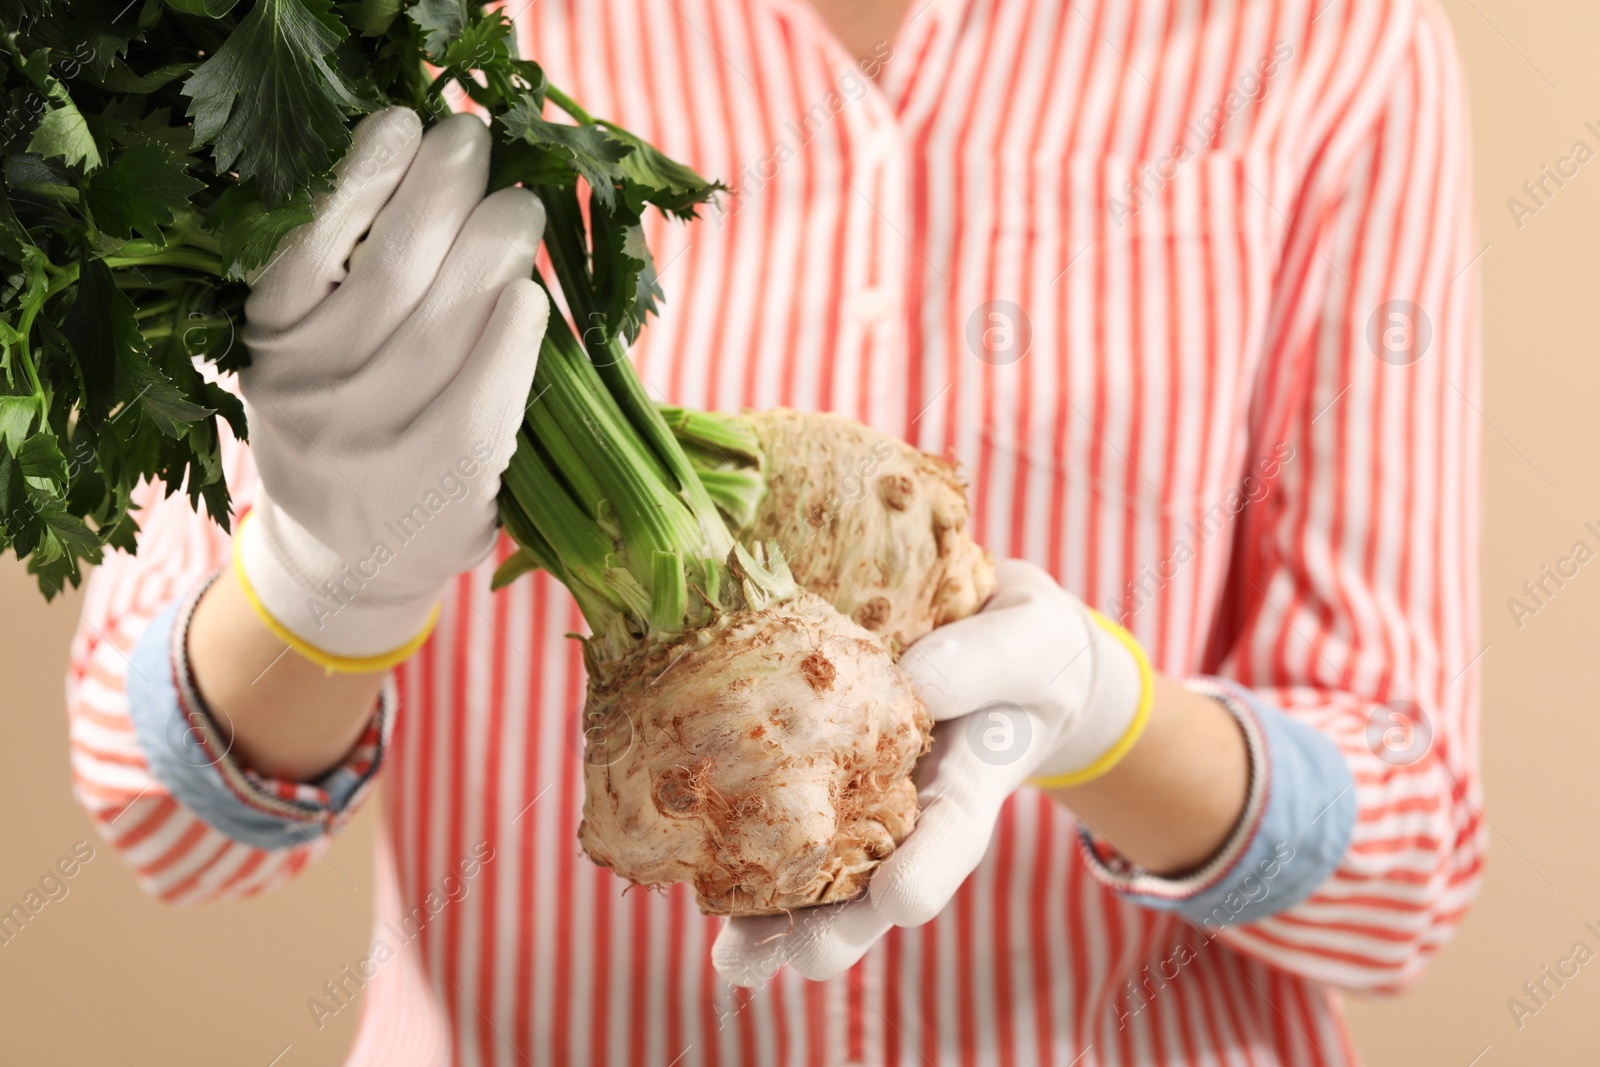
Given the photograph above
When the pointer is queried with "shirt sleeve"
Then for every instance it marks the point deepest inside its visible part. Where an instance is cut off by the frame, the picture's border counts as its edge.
(191, 824)
(1348, 631)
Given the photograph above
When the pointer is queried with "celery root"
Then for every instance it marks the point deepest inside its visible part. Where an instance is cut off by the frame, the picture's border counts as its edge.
(872, 525)
(764, 759)
(744, 737)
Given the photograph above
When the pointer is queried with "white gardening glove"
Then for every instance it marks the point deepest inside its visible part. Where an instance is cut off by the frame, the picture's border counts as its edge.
(1035, 688)
(393, 342)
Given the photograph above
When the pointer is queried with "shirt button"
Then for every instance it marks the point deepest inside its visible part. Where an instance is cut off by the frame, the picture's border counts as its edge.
(873, 305)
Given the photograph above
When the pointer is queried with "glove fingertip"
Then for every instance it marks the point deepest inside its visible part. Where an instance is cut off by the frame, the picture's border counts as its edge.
(531, 301)
(310, 262)
(1021, 572)
(517, 325)
(517, 217)
(397, 122)
(824, 960)
(916, 883)
(935, 667)
(741, 973)
(383, 146)
(745, 952)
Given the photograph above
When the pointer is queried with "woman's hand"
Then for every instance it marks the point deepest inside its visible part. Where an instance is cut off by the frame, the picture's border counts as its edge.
(393, 343)
(1035, 686)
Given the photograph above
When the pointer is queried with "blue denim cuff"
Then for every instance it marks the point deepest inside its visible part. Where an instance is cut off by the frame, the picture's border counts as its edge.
(189, 755)
(1294, 832)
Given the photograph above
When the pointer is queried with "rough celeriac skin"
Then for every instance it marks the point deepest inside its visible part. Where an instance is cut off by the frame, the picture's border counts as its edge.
(765, 760)
(870, 524)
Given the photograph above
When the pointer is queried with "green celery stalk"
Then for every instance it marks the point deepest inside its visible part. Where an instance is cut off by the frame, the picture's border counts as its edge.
(618, 514)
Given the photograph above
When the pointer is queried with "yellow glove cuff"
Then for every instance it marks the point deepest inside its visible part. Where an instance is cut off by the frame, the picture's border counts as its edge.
(328, 661)
(1130, 737)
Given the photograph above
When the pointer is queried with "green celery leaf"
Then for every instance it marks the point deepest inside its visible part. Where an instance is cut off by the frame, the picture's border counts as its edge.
(22, 527)
(624, 274)
(71, 532)
(483, 43)
(170, 391)
(123, 533)
(34, 65)
(250, 231)
(100, 323)
(228, 406)
(127, 124)
(270, 102)
(43, 465)
(138, 191)
(16, 12)
(590, 150)
(16, 419)
(13, 235)
(441, 21)
(156, 394)
(652, 177)
(217, 501)
(62, 540)
(10, 339)
(211, 9)
(28, 168)
(533, 74)
(371, 18)
(520, 163)
(11, 489)
(32, 286)
(63, 133)
(45, 549)
(120, 78)
(94, 35)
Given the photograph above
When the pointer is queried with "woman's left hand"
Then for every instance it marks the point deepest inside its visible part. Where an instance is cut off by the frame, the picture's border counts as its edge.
(1034, 688)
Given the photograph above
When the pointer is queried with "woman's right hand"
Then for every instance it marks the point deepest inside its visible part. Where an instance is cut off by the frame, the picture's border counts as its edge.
(393, 342)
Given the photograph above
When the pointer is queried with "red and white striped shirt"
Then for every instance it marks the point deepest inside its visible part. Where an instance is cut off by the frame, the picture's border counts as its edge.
(1196, 260)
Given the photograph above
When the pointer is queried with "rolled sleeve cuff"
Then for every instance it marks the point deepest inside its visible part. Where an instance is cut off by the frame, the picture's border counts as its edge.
(189, 755)
(1299, 814)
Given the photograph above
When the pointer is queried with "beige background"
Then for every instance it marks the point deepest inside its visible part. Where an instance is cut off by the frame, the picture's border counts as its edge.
(107, 977)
